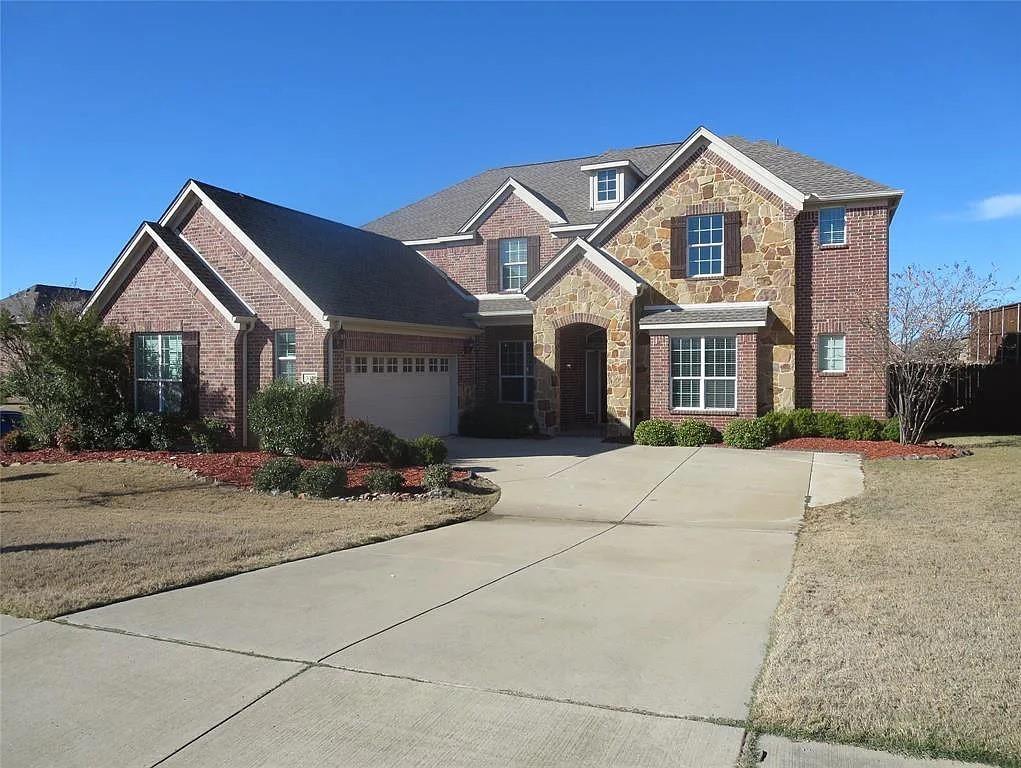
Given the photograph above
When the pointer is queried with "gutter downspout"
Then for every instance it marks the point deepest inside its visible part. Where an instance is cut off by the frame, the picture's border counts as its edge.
(246, 327)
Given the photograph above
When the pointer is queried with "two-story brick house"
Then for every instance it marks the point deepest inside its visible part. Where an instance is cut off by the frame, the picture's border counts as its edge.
(709, 278)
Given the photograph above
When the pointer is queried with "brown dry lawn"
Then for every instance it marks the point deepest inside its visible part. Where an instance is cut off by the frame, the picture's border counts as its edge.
(74, 536)
(900, 627)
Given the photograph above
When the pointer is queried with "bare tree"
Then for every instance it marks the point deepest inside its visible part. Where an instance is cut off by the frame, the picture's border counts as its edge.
(924, 337)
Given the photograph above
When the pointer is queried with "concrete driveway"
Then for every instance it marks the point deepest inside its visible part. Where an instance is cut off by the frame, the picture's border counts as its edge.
(615, 600)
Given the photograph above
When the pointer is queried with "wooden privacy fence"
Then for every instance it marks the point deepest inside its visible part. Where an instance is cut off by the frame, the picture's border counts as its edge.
(981, 398)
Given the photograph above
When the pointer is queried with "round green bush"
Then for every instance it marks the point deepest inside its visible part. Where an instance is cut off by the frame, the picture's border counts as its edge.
(803, 423)
(429, 450)
(437, 476)
(400, 453)
(208, 435)
(277, 475)
(861, 426)
(891, 430)
(322, 481)
(655, 432)
(831, 424)
(747, 433)
(692, 432)
(781, 424)
(384, 481)
(289, 418)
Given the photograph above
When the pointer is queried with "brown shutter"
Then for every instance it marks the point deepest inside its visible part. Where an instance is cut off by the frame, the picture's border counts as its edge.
(492, 266)
(533, 257)
(190, 374)
(678, 247)
(732, 243)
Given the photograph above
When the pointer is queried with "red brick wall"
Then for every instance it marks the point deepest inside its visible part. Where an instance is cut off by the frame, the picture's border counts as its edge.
(571, 360)
(835, 287)
(466, 264)
(157, 297)
(747, 375)
(487, 358)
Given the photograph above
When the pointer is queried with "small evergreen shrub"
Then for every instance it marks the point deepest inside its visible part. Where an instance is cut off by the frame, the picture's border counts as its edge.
(357, 441)
(125, 436)
(289, 418)
(384, 481)
(692, 432)
(781, 424)
(655, 432)
(15, 440)
(277, 475)
(322, 481)
(831, 424)
(156, 431)
(803, 423)
(437, 476)
(401, 453)
(747, 433)
(891, 429)
(861, 426)
(429, 450)
(498, 421)
(208, 435)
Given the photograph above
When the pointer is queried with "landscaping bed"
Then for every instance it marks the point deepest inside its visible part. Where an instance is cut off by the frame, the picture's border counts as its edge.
(233, 468)
(872, 449)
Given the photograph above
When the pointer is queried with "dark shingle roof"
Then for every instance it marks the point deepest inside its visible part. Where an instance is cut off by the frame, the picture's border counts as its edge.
(40, 299)
(346, 271)
(566, 187)
(708, 313)
(497, 305)
(205, 273)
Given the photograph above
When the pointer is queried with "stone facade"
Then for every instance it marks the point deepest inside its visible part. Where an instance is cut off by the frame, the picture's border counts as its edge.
(584, 294)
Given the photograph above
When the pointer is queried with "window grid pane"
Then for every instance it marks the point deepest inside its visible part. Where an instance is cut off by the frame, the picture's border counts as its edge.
(703, 372)
(832, 353)
(513, 263)
(705, 245)
(159, 372)
(517, 372)
(832, 229)
(606, 186)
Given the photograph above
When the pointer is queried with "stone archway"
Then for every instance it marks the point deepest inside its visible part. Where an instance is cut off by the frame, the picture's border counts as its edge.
(584, 294)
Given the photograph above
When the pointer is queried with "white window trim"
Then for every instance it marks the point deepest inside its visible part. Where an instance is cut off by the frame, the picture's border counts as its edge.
(596, 203)
(523, 375)
(723, 248)
(833, 208)
(158, 381)
(819, 354)
(527, 277)
(278, 358)
(702, 377)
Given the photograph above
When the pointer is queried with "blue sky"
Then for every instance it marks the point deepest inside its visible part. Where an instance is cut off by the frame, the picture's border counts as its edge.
(350, 111)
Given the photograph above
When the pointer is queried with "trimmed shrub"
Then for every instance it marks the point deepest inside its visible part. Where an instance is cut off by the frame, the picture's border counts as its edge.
(429, 450)
(356, 441)
(891, 429)
(208, 435)
(125, 435)
(781, 424)
(831, 424)
(861, 426)
(15, 440)
(400, 453)
(498, 421)
(322, 481)
(437, 476)
(277, 475)
(803, 423)
(747, 433)
(289, 418)
(692, 432)
(655, 432)
(156, 431)
(384, 481)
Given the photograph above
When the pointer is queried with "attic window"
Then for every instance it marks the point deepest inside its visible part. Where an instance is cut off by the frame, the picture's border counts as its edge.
(606, 185)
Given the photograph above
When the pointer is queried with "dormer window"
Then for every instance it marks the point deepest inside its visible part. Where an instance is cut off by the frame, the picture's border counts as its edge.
(607, 189)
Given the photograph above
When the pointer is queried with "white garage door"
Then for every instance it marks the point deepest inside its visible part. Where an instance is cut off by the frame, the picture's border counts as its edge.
(411, 395)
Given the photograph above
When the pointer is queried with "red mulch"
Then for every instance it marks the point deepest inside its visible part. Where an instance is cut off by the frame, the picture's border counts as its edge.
(871, 449)
(234, 468)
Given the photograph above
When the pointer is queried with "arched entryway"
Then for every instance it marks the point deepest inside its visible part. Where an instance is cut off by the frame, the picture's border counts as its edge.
(581, 362)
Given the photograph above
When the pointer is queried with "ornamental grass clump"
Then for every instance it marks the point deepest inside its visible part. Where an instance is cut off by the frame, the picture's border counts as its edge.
(655, 432)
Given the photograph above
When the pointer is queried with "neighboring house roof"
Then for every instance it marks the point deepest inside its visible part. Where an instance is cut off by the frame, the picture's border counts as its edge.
(40, 299)
(745, 314)
(565, 186)
(347, 272)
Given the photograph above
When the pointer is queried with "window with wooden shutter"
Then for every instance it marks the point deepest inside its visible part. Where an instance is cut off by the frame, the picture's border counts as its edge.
(533, 257)
(493, 266)
(190, 374)
(678, 247)
(732, 243)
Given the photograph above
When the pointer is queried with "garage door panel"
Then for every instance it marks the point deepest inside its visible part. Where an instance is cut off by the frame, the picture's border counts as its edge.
(409, 404)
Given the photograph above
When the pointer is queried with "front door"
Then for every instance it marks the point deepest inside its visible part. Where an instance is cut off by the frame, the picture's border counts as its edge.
(595, 384)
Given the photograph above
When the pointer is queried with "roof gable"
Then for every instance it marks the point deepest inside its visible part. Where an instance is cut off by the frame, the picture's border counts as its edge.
(624, 277)
(512, 186)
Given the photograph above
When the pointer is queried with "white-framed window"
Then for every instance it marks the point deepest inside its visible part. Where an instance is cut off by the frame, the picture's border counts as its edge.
(705, 245)
(391, 365)
(832, 226)
(419, 365)
(377, 364)
(833, 353)
(285, 355)
(513, 263)
(439, 365)
(159, 373)
(356, 364)
(703, 373)
(517, 372)
(408, 365)
(607, 189)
